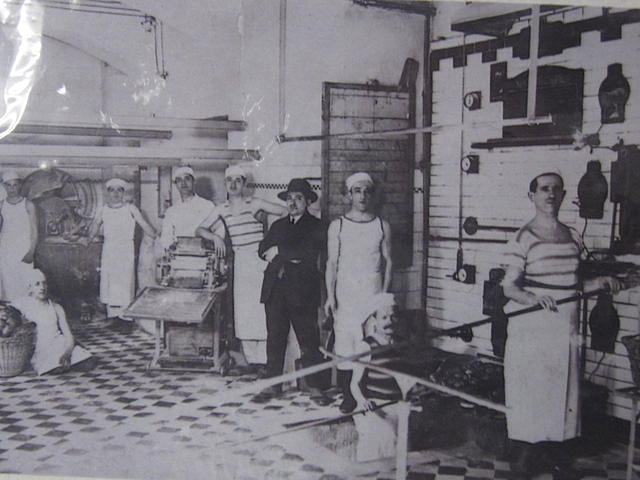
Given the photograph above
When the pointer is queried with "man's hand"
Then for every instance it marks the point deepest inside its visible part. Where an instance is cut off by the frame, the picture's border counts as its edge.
(330, 306)
(363, 403)
(546, 302)
(218, 245)
(612, 284)
(271, 253)
(28, 258)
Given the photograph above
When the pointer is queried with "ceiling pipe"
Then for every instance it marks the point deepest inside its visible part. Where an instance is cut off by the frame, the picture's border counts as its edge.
(35, 129)
(98, 156)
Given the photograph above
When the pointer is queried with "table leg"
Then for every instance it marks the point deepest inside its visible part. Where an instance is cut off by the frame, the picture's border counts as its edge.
(217, 312)
(402, 440)
(632, 437)
(156, 351)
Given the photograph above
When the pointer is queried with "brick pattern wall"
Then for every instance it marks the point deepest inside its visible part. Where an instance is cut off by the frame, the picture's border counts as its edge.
(497, 194)
(388, 160)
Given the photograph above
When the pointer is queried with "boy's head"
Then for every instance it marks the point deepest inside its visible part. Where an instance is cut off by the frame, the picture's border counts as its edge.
(360, 189)
(379, 324)
(37, 284)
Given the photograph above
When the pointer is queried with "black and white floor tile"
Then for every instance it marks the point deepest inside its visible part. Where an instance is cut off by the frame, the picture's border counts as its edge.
(118, 420)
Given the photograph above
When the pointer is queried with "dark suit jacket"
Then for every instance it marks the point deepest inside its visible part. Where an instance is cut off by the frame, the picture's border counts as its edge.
(296, 264)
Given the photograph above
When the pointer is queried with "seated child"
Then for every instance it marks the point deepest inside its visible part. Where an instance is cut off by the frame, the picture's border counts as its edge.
(376, 429)
(55, 345)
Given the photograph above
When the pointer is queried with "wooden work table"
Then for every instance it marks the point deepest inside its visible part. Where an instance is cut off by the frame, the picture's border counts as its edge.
(183, 306)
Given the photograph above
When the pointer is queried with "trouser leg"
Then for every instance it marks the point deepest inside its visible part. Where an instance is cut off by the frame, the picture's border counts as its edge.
(344, 383)
(305, 324)
(534, 458)
(277, 333)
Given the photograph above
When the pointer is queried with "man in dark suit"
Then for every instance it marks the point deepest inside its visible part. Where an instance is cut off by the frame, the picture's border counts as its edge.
(292, 282)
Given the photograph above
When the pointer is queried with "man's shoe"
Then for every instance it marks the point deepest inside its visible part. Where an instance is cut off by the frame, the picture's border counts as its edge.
(267, 394)
(564, 472)
(319, 397)
(348, 404)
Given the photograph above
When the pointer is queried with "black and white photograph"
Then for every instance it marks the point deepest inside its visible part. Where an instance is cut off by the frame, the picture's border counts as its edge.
(319, 240)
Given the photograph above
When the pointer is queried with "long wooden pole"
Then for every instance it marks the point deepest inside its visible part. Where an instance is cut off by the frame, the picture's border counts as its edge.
(516, 313)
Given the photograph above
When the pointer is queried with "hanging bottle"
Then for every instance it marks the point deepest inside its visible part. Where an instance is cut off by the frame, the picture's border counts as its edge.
(604, 324)
(592, 191)
(613, 95)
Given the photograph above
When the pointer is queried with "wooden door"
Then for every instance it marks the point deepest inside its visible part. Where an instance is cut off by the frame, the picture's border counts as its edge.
(389, 160)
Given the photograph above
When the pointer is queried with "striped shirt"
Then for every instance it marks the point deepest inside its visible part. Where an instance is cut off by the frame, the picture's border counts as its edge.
(541, 261)
(378, 385)
(244, 230)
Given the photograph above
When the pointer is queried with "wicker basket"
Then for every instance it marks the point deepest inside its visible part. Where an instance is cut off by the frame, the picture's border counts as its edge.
(632, 342)
(16, 351)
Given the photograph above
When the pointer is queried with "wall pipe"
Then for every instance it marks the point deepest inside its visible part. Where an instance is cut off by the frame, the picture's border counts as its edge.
(427, 121)
(429, 128)
(282, 65)
(534, 41)
(440, 238)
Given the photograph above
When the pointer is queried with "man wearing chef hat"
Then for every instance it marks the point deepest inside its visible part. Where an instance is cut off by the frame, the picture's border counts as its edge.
(358, 267)
(18, 238)
(183, 218)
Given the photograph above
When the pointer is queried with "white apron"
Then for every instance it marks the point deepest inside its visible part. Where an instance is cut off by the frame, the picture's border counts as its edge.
(542, 369)
(359, 277)
(250, 323)
(542, 353)
(15, 240)
(117, 272)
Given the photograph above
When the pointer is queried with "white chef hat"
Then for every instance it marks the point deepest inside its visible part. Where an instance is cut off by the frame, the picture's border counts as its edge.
(234, 171)
(34, 275)
(116, 182)
(380, 301)
(180, 172)
(358, 177)
(546, 171)
(10, 175)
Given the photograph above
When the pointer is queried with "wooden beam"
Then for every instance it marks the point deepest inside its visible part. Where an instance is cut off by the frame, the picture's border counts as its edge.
(43, 129)
(93, 156)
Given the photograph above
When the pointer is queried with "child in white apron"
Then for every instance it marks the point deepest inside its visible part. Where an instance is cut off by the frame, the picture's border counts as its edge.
(55, 345)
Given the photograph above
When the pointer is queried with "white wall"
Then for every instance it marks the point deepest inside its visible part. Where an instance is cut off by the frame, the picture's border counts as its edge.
(95, 68)
(329, 41)
(497, 195)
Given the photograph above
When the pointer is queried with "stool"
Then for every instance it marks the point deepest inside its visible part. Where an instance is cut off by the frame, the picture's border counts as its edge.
(634, 394)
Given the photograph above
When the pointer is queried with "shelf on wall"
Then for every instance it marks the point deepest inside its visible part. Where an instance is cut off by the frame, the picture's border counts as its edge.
(523, 142)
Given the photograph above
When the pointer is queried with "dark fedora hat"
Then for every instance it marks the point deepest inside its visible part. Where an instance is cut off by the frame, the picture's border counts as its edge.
(299, 185)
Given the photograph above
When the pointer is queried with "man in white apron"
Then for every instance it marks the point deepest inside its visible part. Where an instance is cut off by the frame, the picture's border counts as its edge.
(358, 267)
(18, 238)
(184, 217)
(541, 363)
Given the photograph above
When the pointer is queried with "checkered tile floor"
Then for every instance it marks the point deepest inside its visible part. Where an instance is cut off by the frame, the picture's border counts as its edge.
(118, 420)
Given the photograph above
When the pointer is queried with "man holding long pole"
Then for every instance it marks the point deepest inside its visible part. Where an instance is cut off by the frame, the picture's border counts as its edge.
(542, 361)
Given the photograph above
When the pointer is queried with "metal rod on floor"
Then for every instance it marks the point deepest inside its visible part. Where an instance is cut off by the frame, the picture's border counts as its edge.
(401, 376)
(305, 424)
(237, 393)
